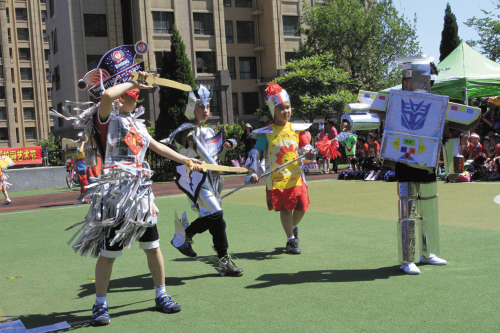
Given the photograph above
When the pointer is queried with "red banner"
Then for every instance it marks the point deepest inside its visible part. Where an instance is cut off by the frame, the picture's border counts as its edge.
(24, 155)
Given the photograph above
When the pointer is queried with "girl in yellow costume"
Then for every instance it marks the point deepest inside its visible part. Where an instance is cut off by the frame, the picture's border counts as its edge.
(286, 189)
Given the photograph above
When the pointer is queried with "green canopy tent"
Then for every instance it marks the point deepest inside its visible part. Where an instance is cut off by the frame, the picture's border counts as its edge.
(464, 74)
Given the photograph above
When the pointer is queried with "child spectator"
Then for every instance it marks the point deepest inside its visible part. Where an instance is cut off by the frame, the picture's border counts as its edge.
(487, 146)
(373, 155)
(474, 147)
(464, 145)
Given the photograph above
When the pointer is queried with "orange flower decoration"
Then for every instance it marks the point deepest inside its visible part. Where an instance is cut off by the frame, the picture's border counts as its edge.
(286, 154)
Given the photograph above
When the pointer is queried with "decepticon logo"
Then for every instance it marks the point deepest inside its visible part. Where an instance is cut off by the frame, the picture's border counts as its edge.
(413, 115)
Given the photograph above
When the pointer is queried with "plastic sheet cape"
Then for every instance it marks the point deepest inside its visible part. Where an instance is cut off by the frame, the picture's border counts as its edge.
(326, 149)
(118, 198)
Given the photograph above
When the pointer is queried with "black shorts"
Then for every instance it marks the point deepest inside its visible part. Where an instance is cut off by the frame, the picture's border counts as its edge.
(149, 240)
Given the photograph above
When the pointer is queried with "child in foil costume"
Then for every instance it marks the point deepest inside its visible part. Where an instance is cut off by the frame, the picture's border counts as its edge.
(122, 208)
(416, 128)
(282, 142)
(202, 188)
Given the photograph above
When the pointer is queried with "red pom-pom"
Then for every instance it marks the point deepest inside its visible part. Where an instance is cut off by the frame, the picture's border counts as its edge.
(304, 138)
(326, 149)
(273, 89)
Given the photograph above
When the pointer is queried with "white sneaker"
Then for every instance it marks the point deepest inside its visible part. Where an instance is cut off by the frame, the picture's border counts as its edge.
(349, 167)
(7, 201)
(369, 177)
(410, 268)
(432, 260)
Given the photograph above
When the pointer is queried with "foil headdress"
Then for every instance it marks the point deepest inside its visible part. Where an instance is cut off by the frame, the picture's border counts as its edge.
(205, 97)
(275, 96)
(419, 70)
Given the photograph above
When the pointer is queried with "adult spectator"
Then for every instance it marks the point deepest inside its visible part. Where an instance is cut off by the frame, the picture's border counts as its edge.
(247, 140)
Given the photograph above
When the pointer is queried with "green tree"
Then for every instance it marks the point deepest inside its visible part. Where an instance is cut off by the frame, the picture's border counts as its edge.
(177, 67)
(449, 36)
(316, 87)
(53, 145)
(488, 29)
(365, 39)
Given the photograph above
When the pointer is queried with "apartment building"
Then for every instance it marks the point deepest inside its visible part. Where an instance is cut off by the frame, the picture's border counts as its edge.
(24, 58)
(235, 46)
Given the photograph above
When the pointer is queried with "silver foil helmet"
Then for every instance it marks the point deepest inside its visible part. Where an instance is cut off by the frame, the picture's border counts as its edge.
(419, 70)
(205, 97)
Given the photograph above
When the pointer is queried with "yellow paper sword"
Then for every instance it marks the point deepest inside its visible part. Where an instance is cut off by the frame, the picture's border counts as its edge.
(162, 82)
(214, 167)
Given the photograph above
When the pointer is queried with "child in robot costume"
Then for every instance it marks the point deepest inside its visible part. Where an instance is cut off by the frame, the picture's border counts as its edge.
(202, 188)
(286, 188)
(411, 143)
(122, 207)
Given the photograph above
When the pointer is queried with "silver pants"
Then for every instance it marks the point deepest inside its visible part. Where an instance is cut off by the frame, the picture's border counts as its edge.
(418, 224)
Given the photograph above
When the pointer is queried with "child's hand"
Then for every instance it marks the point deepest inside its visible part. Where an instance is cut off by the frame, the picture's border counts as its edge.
(193, 164)
(309, 155)
(141, 81)
(254, 179)
(227, 145)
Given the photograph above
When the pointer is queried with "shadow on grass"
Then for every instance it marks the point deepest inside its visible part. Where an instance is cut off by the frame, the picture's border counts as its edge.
(255, 255)
(78, 318)
(352, 275)
(139, 283)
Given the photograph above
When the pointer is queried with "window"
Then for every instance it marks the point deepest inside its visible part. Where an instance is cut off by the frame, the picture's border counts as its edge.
(27, 94)
(248, 68)
(243, 3)
(246, 32)
(14, 98)
(95, 25)
(2, 92)
(26, 73)
(21, 14)
(163, 22)
(205, 62)
(45, 36)
(7, 13)
(4, 134)
(227, 3)
(47, 75)
(24, 54)
(159, 60)
(29, 113)
(93, 61)
(249, 102)
(291, 26)
(46, 53)
(1, 72)
(3, 113)
(54, 41)
(30, 133)
(203, 24)
(289, 56)
(229, 32)
(214, 104)
(23, 34)
(12, 75)
(231, 66)
(57, 78)
(49, 94)
(234, 97)
(60, 121)
(50, 5)
(8, 33)
(44, 15)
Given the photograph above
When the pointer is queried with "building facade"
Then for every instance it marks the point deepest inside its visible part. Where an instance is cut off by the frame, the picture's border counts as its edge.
(24, 88)
(235, 46)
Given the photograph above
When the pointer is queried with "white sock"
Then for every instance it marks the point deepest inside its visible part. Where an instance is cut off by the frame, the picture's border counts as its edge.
(101, 299)
(293, 237)
(160, 290)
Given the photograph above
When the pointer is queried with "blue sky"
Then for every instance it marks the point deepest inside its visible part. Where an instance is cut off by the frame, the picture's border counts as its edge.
(430, 19)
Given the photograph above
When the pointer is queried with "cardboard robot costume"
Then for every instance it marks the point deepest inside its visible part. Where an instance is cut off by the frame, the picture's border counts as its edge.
(411, 144)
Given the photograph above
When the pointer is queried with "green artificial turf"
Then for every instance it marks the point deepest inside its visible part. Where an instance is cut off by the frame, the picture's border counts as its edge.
(347, 278)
